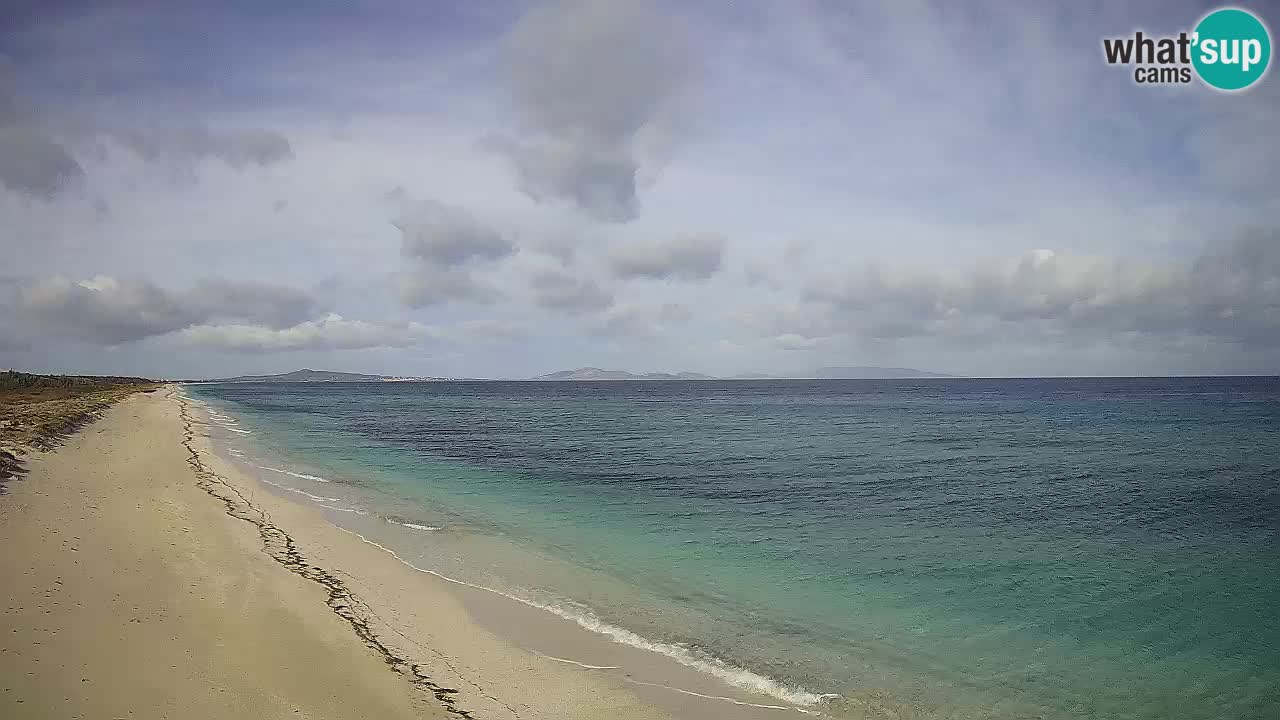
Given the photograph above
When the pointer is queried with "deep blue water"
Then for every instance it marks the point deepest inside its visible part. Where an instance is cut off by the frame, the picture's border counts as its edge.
(960, 548)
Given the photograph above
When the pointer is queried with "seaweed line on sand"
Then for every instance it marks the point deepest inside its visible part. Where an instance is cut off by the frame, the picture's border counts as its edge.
(281, 547)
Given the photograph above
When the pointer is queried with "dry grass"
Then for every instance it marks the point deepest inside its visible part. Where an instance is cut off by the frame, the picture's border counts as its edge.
(38, 411)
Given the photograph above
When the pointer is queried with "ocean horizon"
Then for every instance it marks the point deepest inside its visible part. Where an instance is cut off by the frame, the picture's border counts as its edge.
(939, 547)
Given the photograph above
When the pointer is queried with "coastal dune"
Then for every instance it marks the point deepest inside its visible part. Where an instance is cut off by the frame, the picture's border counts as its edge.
(142, 578)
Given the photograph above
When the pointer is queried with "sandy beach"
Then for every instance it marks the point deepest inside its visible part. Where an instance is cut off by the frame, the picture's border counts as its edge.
(144, 577)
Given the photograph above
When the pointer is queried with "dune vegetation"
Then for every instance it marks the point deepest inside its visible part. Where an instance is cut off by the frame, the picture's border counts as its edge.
(38, 411)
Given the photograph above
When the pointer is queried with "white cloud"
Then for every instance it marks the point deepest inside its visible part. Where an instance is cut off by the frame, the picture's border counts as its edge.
(332, 332)
(1231, 293)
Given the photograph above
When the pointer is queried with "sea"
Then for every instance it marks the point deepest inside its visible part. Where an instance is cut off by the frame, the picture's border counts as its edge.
(944, 548)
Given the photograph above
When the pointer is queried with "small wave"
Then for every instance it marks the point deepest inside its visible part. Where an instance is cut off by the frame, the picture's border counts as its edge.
(414, 526)
(357, 511)
(304, 476)
(743, 703)
(242, 432)
(740, 678)
(317, 498)
(575, 662)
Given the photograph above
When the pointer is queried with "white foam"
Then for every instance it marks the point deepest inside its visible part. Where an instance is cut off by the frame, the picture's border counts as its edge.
(304, 476)
(735, 676)
(317, 498)
(744, 703)
(575, 662)
(347, 510)
(242, 432)
(414, 526)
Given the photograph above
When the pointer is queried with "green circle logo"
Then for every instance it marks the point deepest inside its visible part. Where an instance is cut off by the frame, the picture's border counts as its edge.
(1232, 49)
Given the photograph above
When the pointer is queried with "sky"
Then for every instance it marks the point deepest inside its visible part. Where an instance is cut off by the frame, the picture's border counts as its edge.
(505, 189)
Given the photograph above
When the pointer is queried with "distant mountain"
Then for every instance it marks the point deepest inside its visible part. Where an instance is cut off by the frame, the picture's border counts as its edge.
(584, 373)
(870, 373)
(591, 373)
(307, 375)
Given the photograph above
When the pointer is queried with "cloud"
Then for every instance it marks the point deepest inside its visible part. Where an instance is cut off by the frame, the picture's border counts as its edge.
(486, 331)
(695, 257)
(445, 246)
(332, 332)
(589, 79)
(561, 290)
(109, 311)
(37, 146)
(275, 306)
(640, 321)
(11, 339)
(429, 285)
(600, 180)
(33, 163)
(446, 236)
(1230, 293)
(188, 143)
(103, 310)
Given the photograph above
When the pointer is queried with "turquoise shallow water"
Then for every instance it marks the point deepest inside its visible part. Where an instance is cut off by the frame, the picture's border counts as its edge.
(970, 548)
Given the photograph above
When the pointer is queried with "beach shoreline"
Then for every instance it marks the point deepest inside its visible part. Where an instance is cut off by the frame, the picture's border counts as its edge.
(585, 657)
(411, 640)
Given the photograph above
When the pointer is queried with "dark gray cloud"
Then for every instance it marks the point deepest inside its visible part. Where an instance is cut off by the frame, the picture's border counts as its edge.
(275, 306)
(37, 147)
(1231, 293)
(109, 311)
(589, 78)
(31, 162)
(561, 290)
(447, 236)
(103, 310)
(694, 257)
(598, 179)
(444, 246)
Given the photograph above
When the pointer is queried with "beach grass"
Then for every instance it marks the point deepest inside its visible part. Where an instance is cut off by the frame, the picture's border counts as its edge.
(38, 411)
